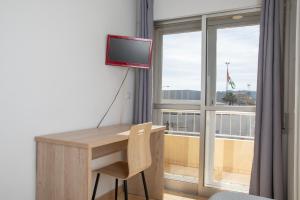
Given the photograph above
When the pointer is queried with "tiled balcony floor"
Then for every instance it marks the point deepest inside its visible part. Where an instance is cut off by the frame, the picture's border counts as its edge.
(190, 174)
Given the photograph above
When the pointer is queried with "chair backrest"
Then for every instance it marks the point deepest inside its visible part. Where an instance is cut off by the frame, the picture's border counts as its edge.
(138, 151)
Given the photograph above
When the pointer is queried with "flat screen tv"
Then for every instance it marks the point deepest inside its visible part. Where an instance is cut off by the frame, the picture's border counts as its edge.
(128, 51)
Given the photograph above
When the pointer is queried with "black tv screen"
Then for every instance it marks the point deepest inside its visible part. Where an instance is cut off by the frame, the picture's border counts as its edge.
(128, 51)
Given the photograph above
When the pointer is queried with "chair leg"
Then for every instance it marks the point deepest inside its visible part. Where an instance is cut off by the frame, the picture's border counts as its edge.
(96, 186)
(145, 185)
(125, 189)
(116, 190)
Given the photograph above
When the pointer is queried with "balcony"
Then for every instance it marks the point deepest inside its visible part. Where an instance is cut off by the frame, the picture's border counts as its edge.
(232, 147)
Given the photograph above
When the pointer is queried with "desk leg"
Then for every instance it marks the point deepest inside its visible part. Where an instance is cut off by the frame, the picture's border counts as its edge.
(154, 174)
(62, 172)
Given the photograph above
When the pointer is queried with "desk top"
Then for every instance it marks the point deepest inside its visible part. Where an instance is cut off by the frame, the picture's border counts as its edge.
(94, 137)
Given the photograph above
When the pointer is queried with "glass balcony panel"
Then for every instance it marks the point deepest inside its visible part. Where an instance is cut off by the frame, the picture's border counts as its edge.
(182, 144)
(231, 149)
(230, 145)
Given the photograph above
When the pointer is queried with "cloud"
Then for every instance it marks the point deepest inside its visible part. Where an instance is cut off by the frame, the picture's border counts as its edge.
(182, 58)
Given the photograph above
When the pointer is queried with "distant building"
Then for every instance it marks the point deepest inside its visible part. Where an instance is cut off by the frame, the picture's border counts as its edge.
(244, 97)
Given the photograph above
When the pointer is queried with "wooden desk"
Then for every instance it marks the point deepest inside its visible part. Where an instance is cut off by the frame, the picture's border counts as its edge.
(64, 162)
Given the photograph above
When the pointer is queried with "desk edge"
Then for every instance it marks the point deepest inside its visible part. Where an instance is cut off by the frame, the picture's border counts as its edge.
(83, 145)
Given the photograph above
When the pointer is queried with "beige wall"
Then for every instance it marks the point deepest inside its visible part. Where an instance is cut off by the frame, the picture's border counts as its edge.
(182, 150)
(230, 155)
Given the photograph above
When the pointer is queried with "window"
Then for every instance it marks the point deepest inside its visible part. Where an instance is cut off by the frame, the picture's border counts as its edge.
(237, 52)
(181, 67)
(205, 94)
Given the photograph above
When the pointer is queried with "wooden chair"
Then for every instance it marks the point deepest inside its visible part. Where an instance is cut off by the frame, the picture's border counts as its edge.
(138, 159)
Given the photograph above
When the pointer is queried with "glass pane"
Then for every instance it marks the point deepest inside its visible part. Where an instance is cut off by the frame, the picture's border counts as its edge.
(232, 59)
(229, 148)
(181, 83)
(181, 68)
(237, 57)
(181, 144)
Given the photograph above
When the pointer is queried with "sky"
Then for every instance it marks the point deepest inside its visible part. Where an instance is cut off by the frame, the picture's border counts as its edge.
(182, 59)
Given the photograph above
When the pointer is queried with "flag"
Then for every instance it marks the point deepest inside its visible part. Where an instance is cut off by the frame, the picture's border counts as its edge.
(229, 80)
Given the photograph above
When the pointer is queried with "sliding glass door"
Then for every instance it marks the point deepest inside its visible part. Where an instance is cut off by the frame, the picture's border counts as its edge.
(232, 56)
(181, 78)
(178, 99)
(204, 93)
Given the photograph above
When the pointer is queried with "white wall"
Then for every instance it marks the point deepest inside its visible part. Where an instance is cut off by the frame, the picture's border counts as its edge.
(53, 78)
(170, 9)
(294, 137)
(297, 143)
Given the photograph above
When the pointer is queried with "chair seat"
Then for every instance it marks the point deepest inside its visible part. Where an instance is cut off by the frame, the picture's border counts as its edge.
(118, 170)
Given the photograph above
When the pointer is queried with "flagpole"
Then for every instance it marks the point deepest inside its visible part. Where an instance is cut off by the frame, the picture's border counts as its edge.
(227, 64)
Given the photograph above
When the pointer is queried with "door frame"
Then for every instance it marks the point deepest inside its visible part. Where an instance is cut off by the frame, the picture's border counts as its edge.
(181, 25)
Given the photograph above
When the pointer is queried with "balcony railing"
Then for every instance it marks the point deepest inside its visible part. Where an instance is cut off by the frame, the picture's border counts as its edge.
(228, 124)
